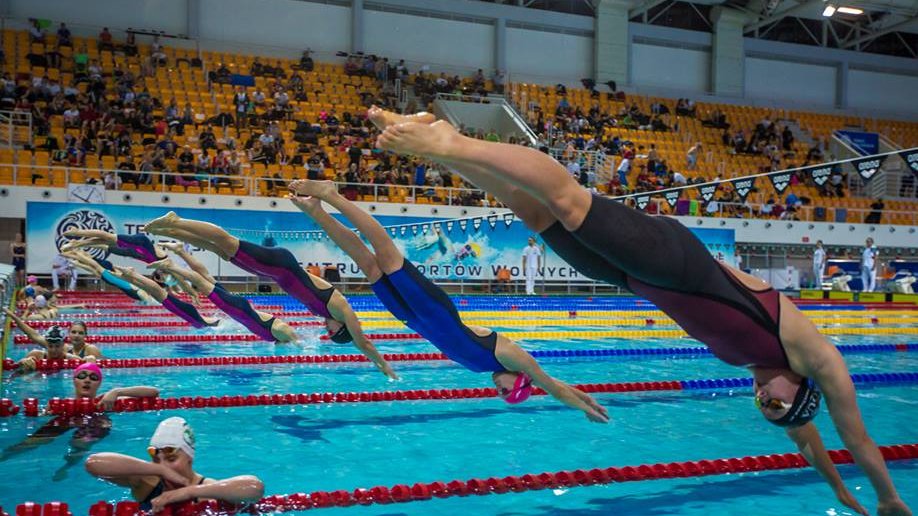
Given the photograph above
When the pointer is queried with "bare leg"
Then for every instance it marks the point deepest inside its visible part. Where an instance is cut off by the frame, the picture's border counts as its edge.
(192, 262)
(201, 284)
(388, 257)
(95, 234)
(532, 171)
(197, 241)
(222, 243)
(143, 283)
(344, 237)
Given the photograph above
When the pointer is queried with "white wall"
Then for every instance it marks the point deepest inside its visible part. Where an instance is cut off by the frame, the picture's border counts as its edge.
(546, 57)
(873, 90)
(777, 80)
(165, 15)
(284, 23)
(675, 68)
(426, 40)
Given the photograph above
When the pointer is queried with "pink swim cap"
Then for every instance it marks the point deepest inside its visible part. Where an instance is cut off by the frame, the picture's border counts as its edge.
(88, 366)
(522, 389)
(32, 279)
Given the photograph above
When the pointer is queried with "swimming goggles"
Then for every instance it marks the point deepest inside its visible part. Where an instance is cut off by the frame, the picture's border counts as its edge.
(772, 404)
(168, 451)
(82, 375)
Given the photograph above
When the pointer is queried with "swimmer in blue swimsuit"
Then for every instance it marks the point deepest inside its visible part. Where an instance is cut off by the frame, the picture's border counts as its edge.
(169, 477)
(741, 318)
(186, 311)
(266, 326)
(104, 270)
(425, 308)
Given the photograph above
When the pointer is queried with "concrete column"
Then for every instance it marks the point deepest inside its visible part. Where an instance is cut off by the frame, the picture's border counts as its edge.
(5, 10)
(356, 25)
(841, 85)
(500, 45)
(193, 19)
(727, 54)
(611, 43)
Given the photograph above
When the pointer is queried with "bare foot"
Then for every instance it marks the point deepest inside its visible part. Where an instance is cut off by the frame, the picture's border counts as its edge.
(306, 204)
(165, 263)
(175, 247)
(383, 119)
(435, 140)
(165, 221)
(309, 188)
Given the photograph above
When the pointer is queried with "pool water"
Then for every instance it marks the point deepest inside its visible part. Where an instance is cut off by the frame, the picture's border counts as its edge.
(344, 446)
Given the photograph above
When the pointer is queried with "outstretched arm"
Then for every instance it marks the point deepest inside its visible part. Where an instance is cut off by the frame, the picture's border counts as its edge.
(33, 335)
(128, 471)
(236, 489)
(350, 320)
(142, 391)
(810, 444)
(514, 358)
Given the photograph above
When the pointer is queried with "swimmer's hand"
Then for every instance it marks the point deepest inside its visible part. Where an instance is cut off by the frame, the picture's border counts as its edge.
(595, 412)
(387, 370)
(893, 508)
(108, 400)
(169, 497)
(27, 365)
(846, 497)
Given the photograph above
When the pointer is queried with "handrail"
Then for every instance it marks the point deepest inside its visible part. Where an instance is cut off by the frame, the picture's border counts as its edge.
(807, 213)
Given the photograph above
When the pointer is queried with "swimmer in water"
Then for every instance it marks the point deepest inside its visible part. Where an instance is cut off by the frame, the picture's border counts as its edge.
(279, 264)
(53, 342)
(186, 311)
(88, 428)
(169, 477)
(740, 318)
(76, 334)
(426, 309)
(264, 325)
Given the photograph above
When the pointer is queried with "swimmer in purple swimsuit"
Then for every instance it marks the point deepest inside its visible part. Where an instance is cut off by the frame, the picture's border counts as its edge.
(266, 326)
(137, 246)
(186, 311)
(279, 264)
(742, 319)
(425, 308)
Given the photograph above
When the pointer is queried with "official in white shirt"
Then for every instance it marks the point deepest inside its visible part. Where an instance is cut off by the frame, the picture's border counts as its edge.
(532, 262)
(60, 266)
(869, 266)
(819, 264)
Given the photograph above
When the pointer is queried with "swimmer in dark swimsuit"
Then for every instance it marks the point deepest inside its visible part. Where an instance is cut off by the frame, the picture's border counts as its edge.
(266, 326)
(52, 341)
(88, 428)
(18, 252)
(742, 319)
(279, 264)
(186, 311)
(104, 270)
(137, 246)
(170, 477)
(425, 308)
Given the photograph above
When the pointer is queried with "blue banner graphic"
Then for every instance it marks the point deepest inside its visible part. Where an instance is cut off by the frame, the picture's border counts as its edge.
(864, 143)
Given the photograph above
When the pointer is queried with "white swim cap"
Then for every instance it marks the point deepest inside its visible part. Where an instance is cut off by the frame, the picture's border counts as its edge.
(40, 301)
(173, 433)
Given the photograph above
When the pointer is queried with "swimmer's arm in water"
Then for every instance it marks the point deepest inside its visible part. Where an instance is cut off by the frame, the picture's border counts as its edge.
(514, 358)
(243, 488)
(142, 391)
(30, 332)
(810, 444)
(127, 471)
(827, 368)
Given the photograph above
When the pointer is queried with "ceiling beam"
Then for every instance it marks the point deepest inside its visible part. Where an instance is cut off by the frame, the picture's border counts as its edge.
(644, 7)
(790, 11)
(905, 24)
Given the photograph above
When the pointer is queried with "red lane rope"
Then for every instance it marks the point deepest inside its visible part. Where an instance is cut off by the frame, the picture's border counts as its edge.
(211, 337)
(41, 325)
(402, 493)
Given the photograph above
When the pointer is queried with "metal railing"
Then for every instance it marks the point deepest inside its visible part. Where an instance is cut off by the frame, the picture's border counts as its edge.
(808, 213)
(16, 127)
(7, 293)
(216, 184)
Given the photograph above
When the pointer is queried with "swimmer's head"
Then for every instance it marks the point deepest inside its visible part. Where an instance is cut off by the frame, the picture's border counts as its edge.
(40, 301)
(54, 336)
(86, 380)
(77, 333)
(29, 291)
(172, 436)
(338, 332)
(32, 279)
(512, 387)
(785, 398)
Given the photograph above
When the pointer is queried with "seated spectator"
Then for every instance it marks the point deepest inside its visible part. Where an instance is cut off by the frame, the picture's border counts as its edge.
(207, 139)
(105, 40)
(685, 107)
(306, 62)
(36, 32)
(787, 139)
(130, 44)
(876, 212)
(63, 36)
(501, 280)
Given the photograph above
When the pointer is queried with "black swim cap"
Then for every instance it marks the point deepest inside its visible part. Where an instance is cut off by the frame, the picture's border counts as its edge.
(54, 334)
(804, 408)
(342, 336)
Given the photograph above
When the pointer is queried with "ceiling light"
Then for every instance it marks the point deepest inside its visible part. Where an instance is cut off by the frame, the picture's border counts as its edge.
(829, 10)
(850, 10)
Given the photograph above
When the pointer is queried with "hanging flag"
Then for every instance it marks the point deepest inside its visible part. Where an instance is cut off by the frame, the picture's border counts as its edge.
(402, 230)
(642, 201)
(743, 186)
(414, 229)
(508, 219)
(492, 221)
(449, 226)
(463, 223)
(780, 181)
(820, 174)
(672, 197)
(476, 223)
(868, 167)
(425, 228)
(910, 157)
(393, 231)
(707, 191)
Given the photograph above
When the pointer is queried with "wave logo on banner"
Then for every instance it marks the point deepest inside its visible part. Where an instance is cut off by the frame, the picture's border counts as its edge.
(911, 159)
(868, 167)
(642, 201)
(743, 186)
(780, 181)
(820, 174)
(672, 197)
(83, 219)
(707, 191)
